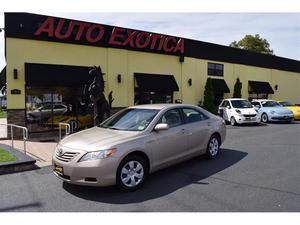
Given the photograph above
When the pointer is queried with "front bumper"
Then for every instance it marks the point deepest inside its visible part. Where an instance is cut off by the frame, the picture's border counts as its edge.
(100, 172)
(281, 117)
(243, 120)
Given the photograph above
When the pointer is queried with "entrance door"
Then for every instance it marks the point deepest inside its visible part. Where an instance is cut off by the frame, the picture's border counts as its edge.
(146, 97)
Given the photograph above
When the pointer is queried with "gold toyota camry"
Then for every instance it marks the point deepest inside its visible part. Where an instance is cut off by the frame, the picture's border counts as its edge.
(135, 142)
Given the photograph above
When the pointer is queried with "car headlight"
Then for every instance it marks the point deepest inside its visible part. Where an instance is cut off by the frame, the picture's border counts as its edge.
(238, 111)
(256, 110)
(272, 112)
(101, 154)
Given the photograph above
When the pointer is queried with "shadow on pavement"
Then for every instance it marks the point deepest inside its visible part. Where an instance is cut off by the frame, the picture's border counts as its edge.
(163, 182)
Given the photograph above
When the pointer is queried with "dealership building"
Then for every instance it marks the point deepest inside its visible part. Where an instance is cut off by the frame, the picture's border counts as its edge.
(49, 58)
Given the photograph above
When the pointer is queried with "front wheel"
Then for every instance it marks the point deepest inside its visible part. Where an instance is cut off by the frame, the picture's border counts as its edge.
(132, 173)
(232, 121)
(213, 147)
(264, 118)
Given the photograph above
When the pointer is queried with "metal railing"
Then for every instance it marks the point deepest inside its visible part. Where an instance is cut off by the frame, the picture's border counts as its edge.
(67, 129)
(25, 134)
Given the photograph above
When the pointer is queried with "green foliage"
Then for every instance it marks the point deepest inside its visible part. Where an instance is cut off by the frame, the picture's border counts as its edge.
(253, 43)
(2, 114)
(208, 101)
(237, 92)
(6, 157)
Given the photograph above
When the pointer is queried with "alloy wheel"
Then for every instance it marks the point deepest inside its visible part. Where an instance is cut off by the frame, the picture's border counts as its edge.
(232, 121)
(213, 146)
(264, 118)
(132, 173)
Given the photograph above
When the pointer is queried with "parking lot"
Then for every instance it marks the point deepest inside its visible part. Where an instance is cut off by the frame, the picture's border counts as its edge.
(257, 170)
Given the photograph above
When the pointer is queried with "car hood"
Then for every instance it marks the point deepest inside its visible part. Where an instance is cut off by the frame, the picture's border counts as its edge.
(96, 138)
(279, 110)
(247, 111)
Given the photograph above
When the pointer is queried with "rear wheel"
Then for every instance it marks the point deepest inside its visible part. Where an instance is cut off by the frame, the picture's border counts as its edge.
(132, 173)
(213, 147)
(232, 121)
(264, 118)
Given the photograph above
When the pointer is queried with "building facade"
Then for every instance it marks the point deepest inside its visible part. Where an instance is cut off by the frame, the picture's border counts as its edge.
(48, 60)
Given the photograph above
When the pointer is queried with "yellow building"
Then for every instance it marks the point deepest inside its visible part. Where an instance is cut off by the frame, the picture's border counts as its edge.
(48, 60)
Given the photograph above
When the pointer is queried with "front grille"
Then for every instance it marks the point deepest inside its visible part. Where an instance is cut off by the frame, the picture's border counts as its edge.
(249, 115)
(67, 156)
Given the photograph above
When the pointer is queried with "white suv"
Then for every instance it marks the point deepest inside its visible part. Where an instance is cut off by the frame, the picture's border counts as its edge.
(238, 111)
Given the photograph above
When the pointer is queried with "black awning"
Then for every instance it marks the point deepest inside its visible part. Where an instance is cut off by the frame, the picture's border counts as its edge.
(260, 87)
(219, 86)
(50, 75)
(156, 82)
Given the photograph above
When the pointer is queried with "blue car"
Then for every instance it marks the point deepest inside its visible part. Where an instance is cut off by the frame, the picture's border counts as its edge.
(270, 110)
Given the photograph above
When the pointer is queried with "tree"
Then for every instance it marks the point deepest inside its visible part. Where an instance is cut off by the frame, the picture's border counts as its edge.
(253, 43)
(208, 101)
(237, 89)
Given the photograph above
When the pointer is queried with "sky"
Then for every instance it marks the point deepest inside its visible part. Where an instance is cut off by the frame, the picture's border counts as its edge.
(282, 30)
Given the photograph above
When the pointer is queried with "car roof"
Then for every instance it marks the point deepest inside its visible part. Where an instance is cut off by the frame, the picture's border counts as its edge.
(234, 99)
(262, 100)
(160, 106)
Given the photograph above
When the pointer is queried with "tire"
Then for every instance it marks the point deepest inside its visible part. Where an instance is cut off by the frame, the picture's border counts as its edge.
(232, 121)
(138, 167)
(264, 118)
(213, 147)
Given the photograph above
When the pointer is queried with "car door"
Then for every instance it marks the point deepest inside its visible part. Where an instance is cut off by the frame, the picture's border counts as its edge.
(197, 125)
(168, 145)
(225, 108)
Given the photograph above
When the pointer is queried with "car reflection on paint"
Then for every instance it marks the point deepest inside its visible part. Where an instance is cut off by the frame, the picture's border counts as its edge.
(135, 142)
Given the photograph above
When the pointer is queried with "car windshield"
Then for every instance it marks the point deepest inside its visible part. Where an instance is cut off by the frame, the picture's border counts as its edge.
(130, 120)
(241, 104)
(286, 104)
(270, 104)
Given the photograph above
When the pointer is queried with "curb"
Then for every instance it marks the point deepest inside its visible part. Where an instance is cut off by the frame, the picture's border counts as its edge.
(23, 163)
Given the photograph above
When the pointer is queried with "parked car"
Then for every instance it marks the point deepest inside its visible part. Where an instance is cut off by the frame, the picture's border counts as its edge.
(45, 111)
(294, 108)
(135, 142)
(238, 111)
(270, 110)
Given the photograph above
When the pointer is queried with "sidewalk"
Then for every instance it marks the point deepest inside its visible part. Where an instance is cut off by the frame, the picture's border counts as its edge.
(3, 129)
(41, 151)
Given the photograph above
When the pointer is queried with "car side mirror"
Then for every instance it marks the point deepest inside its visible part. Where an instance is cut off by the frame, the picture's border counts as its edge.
(161, 126)
(228, 107)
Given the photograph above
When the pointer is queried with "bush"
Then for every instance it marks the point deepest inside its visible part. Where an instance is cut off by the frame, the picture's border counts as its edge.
(208, 101)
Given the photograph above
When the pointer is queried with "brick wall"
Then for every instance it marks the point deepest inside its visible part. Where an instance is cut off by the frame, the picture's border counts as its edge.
(17, 117)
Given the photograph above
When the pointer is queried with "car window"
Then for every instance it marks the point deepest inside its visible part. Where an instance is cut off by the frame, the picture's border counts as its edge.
(172, 118)
(131, 119)
(192, 115)
(224, 104)
(59, 107)
(241, 104)
(256, 104)
(270, 104)
(46, 107)
(286, 104)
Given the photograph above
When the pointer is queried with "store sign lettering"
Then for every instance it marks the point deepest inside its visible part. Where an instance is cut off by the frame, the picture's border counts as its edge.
(94, 33)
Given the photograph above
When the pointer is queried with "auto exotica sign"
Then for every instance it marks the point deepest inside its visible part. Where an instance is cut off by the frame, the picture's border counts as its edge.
(79, 31)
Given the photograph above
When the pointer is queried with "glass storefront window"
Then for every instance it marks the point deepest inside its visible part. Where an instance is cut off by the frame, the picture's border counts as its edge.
(47, 107)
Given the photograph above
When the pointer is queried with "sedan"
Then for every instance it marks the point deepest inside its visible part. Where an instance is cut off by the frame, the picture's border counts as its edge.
(135, 142)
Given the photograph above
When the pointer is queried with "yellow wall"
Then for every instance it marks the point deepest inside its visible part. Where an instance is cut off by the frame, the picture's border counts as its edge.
(126, 63)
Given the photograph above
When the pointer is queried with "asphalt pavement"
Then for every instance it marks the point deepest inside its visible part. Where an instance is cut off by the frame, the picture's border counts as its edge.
(258, 169)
